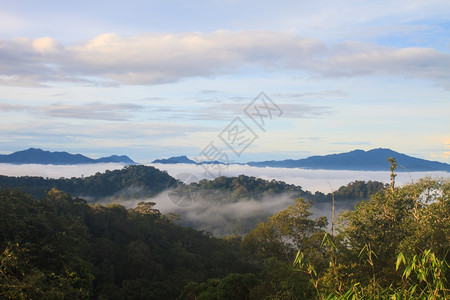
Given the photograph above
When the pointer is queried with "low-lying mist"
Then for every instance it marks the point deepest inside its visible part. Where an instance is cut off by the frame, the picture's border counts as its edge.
(223, 218)
(57, 171)
(219, 218)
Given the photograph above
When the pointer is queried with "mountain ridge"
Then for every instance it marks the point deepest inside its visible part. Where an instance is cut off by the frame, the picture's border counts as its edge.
(355, 160)
(359, 160)
(39, 156)
(183, 159)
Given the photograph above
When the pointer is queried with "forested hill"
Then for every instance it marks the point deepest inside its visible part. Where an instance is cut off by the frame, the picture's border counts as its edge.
(242, 187)
(223, 206)
(58, 247)
(138, 181)
(235, 205)
(235, 189)
(135, 181)
(393, 246)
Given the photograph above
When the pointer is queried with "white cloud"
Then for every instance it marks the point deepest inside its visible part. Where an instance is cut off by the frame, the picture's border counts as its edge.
(89, 111)
(162, 58)
(353, 59)
(95, 111)
(56, 171)
(46, 45)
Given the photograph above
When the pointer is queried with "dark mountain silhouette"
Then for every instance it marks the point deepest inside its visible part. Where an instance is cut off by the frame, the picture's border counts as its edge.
(175, 160)
(186, 160)
(38, 156)
(358, 160)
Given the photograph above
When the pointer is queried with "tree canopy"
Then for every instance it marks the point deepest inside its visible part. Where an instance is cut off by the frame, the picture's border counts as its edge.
(394, 244)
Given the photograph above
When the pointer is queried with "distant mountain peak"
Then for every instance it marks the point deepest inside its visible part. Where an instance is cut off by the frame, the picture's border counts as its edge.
(175, 160)
(186, 160)
(39, 156)
(359, 160)
(356, 160)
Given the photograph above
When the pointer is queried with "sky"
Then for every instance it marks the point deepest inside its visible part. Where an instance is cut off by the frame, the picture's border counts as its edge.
(245, 80)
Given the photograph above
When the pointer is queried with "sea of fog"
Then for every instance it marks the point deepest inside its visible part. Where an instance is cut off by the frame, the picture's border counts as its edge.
(312, 180)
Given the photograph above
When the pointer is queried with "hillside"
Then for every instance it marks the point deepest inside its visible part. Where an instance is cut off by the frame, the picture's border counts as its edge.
(223, 206)
(59, 247)
(175, 160)
(235, 205)
(134, 181)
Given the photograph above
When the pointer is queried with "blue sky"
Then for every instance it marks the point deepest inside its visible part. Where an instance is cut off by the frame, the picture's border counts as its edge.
(154, 79)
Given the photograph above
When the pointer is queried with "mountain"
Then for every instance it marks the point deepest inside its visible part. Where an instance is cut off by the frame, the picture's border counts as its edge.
(356, 160)
(175, 160)
(38, 156)
(359, 160)
(115, 159)
(186, 160)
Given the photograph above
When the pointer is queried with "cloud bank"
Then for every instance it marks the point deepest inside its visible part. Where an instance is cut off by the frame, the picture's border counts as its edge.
(56, 171)
(89, 111)
(146, 59)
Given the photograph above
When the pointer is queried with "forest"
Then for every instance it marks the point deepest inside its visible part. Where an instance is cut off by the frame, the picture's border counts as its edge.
(223, 206)
(393, 244)
(150, 181)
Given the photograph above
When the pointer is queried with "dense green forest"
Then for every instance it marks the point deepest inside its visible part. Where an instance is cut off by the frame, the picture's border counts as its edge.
(58, 247)
(138, 181)
(393, 245)
(223, 206)
(235, 189)
(135, 181)
(235, 205)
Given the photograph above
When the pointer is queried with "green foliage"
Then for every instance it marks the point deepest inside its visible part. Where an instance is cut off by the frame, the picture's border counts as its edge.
(43, 247)
(59, 247)
(233, 286)
(284, 233)
(411, 219)
(354, 191)
(230, 192)
(140, 182)
(393, 163)
(423, 277)
(281, 281)
(234, 189)
(276, 242)
(134, 181)
(430, 280)
(393, 246)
